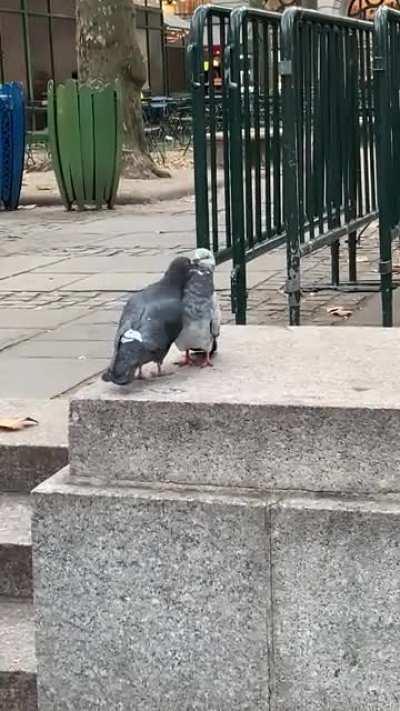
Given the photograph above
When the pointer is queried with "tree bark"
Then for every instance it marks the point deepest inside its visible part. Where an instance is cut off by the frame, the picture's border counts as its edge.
(108, 49)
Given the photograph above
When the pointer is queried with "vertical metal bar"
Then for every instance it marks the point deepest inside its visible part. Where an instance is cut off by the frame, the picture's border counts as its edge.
(257, 142)
(308, 70)
(223, 30)
(276, 133)
(289, 50)
(51, 45)
(334, 148)
(320, 129)
(247, 122)
(196, 59)
(352, 250)
(268, 156)
(148, 55)
(300, 51)
(366, 189)
(384, 158)
(370, 100)
(238, 285)
(27, 51)
(212, 137)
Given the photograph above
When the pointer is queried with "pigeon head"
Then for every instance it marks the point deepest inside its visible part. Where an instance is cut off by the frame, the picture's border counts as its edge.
(204, 258)
(127, 359)
(178, 271)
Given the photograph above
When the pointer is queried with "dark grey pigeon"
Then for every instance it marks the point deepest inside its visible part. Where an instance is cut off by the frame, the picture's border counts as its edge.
(150, 322)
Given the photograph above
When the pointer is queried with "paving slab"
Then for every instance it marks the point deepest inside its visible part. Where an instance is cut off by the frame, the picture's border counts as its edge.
(137, 280)
(37, 318)
(118, 263)
(36, 282)
(10, 266)
(46, 349)
(370, 311)
(32, 378)
(10, 336)
(80, 332)
(31, 455)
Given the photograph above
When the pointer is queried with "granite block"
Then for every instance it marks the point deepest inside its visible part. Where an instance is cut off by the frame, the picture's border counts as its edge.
(292, 448)
(150, 599)
(335, 580)
(259, 418)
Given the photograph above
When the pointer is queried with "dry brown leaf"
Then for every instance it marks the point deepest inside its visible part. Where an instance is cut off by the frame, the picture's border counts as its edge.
(339, 312)
(13, 424)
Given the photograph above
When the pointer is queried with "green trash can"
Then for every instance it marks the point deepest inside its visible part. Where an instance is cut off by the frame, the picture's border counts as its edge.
(85, 140)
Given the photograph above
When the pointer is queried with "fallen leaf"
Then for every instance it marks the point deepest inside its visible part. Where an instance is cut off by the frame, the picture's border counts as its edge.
(339, 311)
(13, 424)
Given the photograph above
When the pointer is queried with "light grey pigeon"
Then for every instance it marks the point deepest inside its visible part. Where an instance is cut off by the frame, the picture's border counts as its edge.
(201, 312)
(150, 322)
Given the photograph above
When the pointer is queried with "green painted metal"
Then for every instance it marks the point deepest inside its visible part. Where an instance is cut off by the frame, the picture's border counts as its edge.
(210, 26)
(86, 127)
(117, 144)
(387, 101)
(255, 121)
(328, 141)
(71, 149)
(55, 153)
(85, 138)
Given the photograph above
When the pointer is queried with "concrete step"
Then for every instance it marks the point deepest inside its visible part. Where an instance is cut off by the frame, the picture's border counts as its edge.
(30, 456)
(15, 546)
(17, 656)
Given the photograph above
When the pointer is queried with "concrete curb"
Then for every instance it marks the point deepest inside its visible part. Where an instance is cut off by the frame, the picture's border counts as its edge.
(147, 192)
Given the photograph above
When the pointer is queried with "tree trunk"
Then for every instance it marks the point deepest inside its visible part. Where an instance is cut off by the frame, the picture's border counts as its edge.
(108, 49)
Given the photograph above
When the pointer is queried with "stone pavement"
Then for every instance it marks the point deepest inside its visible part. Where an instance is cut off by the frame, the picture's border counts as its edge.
(64, 278)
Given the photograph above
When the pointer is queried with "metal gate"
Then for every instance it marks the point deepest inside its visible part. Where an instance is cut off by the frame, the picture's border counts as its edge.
(387, 98)
(209, 34)
(255, 142)
(297, 125)
(328, 141)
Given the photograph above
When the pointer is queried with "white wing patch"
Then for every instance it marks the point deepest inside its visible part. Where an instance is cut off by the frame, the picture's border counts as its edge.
(130, 335)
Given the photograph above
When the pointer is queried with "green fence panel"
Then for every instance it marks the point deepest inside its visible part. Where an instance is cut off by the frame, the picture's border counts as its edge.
(328, 141)
(209, 29)
(387, 100)
(255, 142)
(85, 137)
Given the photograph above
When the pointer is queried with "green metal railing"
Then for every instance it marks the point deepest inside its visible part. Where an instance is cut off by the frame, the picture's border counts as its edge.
(328, 141)
(305, 126)
(387, 98)
(210, 26)
(255, 142)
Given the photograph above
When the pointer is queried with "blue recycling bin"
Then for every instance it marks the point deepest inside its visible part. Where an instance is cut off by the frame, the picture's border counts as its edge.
(12, 143)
